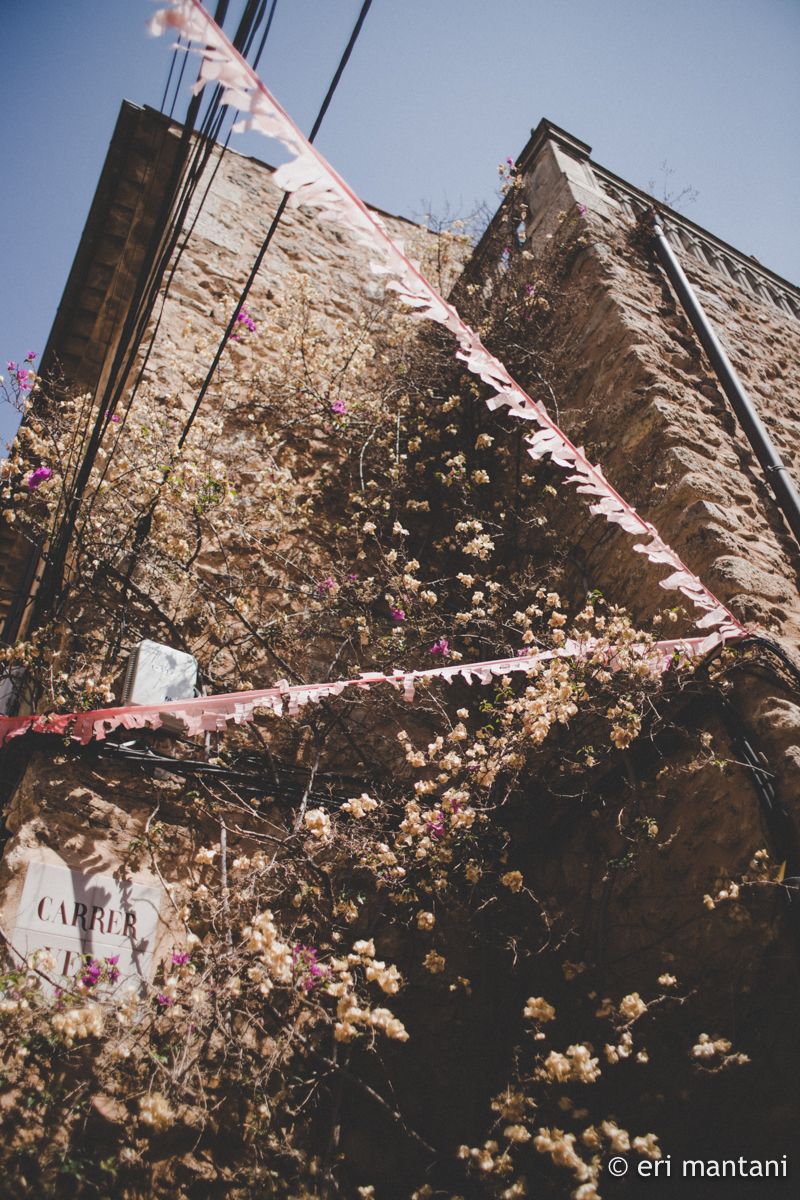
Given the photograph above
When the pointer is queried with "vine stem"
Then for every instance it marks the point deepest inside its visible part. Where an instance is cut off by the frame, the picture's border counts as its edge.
(302, 811)
(346, 1074)
(223, 869)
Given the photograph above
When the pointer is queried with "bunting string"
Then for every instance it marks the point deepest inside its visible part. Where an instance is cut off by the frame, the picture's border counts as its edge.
(312, 182)
(216, 712)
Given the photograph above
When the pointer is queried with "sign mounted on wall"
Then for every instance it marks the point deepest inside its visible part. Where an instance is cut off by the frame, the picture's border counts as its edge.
(73, 915)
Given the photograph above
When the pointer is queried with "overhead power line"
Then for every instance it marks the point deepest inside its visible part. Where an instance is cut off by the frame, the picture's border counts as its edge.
(275, 222)
(184, 178)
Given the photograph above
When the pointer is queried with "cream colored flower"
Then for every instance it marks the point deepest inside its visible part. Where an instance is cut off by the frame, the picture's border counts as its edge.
(537, 1009)
(318, 823)
(155, 1111)
(433, 962)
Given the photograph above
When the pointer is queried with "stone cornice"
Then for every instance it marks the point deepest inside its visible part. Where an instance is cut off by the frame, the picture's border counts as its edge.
(692, 241)
(544, 132)
(689, 240)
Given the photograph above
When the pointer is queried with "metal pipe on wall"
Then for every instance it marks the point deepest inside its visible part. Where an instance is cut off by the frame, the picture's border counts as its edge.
(776, 473)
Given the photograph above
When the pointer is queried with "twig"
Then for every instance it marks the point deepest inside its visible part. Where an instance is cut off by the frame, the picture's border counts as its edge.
(42, 974)
(358, 1083)
(309, 785)
(223, 869)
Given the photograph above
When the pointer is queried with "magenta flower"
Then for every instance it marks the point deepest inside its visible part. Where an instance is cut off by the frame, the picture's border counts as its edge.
(441, 647)
(243, 318)
(165, 1000)
(510, 162)
(179, 960)
(31, 355)
(339, 406)
(38, 476)
(435, 829)
(582, 210)
(93, 973)
(327, 585)
(398, 614)
(308, 972)
(352, 578)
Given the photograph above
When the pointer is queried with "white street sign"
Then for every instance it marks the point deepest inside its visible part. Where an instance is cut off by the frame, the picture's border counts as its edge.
(72, 915)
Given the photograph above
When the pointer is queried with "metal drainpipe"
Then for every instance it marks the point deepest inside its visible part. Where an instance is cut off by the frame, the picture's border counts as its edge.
(776, 473)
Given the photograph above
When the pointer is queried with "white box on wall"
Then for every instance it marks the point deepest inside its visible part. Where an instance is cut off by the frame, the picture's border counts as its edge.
(158, 674)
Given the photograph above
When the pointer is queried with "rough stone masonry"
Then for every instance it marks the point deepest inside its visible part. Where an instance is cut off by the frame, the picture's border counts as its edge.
(638, 392)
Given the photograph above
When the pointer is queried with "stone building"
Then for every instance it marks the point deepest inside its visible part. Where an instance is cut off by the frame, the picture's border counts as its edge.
(636, 389)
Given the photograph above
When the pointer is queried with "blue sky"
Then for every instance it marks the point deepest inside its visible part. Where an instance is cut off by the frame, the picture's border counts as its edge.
(436, 94)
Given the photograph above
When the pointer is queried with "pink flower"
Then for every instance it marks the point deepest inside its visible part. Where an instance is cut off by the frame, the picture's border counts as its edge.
(38, 476)
(441, 647)
(435, 829)
(242, 318)
(339, 406)
(327, 585)
(398, 614)
(308, 972)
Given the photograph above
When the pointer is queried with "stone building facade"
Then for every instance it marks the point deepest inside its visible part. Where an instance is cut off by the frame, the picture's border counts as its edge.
(637, 391)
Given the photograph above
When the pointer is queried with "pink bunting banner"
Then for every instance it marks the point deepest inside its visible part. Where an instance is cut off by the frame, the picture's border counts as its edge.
(312, 182)
(217, 712)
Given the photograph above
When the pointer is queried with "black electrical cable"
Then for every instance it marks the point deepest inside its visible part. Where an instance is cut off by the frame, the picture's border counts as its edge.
(171, 69)
(155, 264)
(207, 139)
(178, 84)
(118, 283)
(758, 642)
(210, 128)
(780, 826)
(166, 227)
(340, 69)
(245, 35)
(247, 781)
(275, 222)
(257, 58)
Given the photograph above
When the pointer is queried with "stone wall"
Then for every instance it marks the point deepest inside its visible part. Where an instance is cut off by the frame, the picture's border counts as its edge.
(61, 811)
(227, 233)
(633, 386)
(638, 390)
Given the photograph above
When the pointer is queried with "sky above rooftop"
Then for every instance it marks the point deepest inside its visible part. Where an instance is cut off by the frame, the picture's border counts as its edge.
(435, 95)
